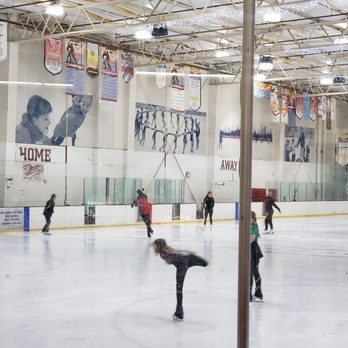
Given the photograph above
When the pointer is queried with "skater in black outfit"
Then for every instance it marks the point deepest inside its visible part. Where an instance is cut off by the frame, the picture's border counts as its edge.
(208, 205)
(255, 256)
(269, 203)
(182, 260)
(48, 212)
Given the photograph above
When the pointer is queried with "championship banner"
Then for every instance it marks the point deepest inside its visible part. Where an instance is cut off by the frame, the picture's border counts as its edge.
(262, 90)
(313, 109)
(328, 113)
(307, 108)
(161, 79)
(92, 60)
(109, 74)
(127, 65)
(3, 41)
(177, 87)
(195, 89)
(53, 56)
(284, 111)
(75, 66)
(322, 107)
(299, 106)
(275, 107)
(342, 156)
(291, 109)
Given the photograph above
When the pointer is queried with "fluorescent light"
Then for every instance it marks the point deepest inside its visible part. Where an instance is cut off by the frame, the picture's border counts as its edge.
(326, 81)
(224, 41)
(159, 73)
(341, 41)
(265, 66)
(268, 44)
(259, 77)
(325, 70)
(343, 25)
(40, 84)
(272, 17)
(54, 9)
(221, 54)
(142, 35)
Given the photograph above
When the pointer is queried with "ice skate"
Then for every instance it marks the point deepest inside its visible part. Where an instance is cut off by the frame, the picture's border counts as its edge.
(258, 296)
(46, 233)
(176, 318)
(265, 232)
(179, 313)
(272, 232)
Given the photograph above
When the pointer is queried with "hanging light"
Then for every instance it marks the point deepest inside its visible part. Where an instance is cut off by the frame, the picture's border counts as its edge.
(326, 81)
(221, 54)
(143, 35)
(54, 9)
(272, 17)
(341, 41)
(265, 63)
(259, 77)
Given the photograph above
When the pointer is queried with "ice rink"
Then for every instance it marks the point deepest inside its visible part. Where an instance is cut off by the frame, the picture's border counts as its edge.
(104, 288)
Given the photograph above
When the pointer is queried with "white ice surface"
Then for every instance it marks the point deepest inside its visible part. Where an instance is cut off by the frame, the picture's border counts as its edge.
(71, 290)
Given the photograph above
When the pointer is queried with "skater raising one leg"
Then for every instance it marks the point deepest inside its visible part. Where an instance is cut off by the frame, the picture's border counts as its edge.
(182, 260)
(144, 208)
(269, 203)
(255, 256)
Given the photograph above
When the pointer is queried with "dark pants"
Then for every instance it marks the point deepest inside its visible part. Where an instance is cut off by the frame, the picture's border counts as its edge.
(206, 213)
(183, 263)
(147, 220)
(254, 274)
(48, 223)
(268, 220)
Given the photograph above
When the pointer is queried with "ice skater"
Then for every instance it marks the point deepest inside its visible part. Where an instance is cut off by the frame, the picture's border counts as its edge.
(255, 256)
(269, 203)
(208, 206)
(144, 209)
(182, 260)
(48, 212)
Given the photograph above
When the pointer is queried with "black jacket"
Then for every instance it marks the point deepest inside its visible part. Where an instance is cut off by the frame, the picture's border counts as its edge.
(208, 203)
(49, 207)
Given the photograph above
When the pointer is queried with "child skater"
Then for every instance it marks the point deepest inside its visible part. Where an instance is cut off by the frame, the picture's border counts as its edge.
(182, 260)
(269, 203)
(144, 209)
(255, 256)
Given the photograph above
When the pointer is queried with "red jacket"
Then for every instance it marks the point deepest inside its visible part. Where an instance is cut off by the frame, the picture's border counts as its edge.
(143, 205)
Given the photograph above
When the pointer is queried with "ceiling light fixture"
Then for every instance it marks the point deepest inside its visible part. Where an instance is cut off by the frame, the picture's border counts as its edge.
(54, 9)
(272, 17)
(143, 35)
(259, 77)
(343, 25)
(326, 81)
(164, 73)
(341, 41)
(221, 54)
(265, 63)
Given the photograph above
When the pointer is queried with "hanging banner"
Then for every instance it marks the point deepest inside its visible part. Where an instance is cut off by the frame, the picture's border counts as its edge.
(307, 108)
(3, 41)
(161, 78)
(195, 89)
(322, 108)
(284, 110)
(53, 56)
(342, 155)
(92, 60)
(127, 64)
(109, 74)
(177, 89)
(299, 106)
(328, 113)
(333, 108)
(275, 107)
(291, 109)
(313, 108)
(75, 66)
(262, 90)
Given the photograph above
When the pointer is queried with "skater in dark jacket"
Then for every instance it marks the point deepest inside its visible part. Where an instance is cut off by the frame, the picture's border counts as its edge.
(144, 209)
(208, 205)
(255, 256)
(48, 212)
(269, 203)
(182, 260)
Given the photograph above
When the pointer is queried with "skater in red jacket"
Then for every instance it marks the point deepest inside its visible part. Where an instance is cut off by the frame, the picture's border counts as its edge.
(144, 209)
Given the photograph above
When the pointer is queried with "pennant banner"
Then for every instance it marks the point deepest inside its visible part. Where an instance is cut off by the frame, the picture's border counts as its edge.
(262, 90)
(75, 66)
(195, 89)
(313, 109)
(161, 78)
(322, 108)
(127, 64)
(328, 113)
(342, 156)
(306, 107)
(299, 106)
(92, 60)
(177, 89)
(275, 107)
(284, 111)
(53, 56)
(109, 74)
(3, 41)
(291, 109)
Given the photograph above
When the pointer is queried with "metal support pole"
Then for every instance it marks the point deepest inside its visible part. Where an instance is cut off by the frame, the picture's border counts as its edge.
(246, 100)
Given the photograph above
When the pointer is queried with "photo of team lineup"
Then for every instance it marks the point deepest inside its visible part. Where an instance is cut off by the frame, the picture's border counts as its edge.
(161, 129)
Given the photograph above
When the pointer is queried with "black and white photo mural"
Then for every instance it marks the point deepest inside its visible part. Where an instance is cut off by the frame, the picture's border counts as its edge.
(160, 129)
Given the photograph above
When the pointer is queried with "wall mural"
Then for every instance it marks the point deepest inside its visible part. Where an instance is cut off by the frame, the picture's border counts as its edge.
(160, 129)
(299, 144)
